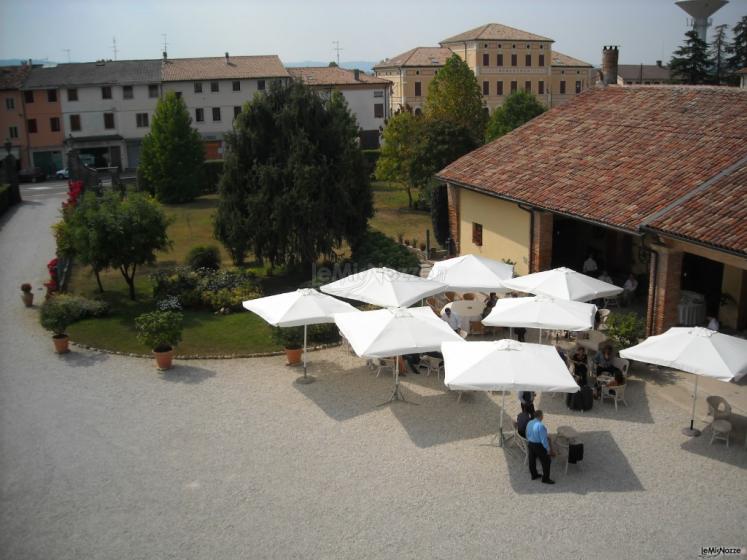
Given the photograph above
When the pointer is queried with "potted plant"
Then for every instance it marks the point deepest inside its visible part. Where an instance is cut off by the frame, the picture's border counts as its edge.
(57, 314)
(160, 331)
(292, 340)
(27, 296)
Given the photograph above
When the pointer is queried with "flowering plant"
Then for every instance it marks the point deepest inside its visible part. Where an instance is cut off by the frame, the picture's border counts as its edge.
(170, 303)
(74, 190)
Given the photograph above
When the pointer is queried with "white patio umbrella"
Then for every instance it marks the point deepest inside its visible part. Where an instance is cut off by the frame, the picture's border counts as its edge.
(505, 365)
(393, 332)
(563, 283)
(302, 307)
(542, 312)
(695, 350)
(384, 287)
(472, 273)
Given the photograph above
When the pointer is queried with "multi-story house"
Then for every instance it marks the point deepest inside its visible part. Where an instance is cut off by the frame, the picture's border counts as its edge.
(43, 116)
(215, 88)
(367, 96)
(504, 60)
(12, 122)
(106, 106)
(645, 74)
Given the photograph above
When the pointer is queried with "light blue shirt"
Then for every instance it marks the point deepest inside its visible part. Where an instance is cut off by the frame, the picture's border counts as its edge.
(537, 433)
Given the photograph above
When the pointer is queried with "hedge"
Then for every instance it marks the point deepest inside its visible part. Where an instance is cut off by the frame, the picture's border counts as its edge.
(4, 198)
(376, 249)
(213, 171)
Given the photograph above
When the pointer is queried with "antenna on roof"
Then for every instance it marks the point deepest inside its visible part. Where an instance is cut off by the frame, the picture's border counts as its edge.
(338, 49)
(165, 45)
(68, 53)
(114, 47)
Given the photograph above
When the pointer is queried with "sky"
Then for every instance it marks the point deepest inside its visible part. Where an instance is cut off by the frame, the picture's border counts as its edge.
(297, 30)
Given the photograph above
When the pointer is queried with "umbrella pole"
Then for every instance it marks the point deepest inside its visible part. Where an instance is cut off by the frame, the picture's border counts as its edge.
(691, 431)
(306, 379)
(396, 393)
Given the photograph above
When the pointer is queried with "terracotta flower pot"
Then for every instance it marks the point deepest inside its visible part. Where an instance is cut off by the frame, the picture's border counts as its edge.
(293, 355)
(61, 343)
(28, 298)
(164, 359)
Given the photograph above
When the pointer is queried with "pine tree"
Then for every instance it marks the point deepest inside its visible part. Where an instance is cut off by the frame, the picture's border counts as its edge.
(689, 63)
(172, 156)
(720, 47)
(738, 50)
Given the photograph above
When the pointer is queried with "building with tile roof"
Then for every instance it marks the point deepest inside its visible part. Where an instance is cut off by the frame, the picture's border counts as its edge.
(643, 74)
(648, 179)
(12, 120)
(367, 96)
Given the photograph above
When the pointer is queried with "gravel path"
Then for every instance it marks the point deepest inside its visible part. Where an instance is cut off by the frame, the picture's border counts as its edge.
(102, 457)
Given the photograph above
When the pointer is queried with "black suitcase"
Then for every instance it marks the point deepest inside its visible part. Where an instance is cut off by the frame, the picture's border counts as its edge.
(574, 401)
(587, 398)
(575, 453)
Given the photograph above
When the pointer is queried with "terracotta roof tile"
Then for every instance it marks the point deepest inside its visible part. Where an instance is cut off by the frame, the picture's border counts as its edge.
(334, 76)
(494, 32)
(560, 59)
(613, 155)
(419, 56)
(12, 77)
(216, 68)
(632, 72)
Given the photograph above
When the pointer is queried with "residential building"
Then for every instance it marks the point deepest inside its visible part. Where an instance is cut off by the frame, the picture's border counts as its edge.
(215, 88)
(410, 74)
(106, 106)
(12, 122)
(504, 60)
(644, 74)
(650, 180)
(367, 96)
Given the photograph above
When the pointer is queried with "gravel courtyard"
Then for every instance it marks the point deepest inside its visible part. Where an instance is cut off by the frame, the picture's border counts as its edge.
(103, 457)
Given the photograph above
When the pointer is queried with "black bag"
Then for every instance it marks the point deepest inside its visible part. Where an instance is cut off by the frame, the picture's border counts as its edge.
(574, 401)
(575, 453)
(587, 398)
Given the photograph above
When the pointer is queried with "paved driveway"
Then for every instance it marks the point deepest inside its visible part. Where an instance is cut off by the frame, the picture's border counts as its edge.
(101, 457)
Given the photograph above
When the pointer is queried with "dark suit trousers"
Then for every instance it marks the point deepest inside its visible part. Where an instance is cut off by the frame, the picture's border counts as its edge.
(538, 451)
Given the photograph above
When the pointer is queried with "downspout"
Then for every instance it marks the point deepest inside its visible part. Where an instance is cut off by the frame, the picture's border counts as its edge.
(653, 274)
(531, 232)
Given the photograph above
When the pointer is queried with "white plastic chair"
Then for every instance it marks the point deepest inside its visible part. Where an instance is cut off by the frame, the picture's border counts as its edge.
(622, 364)
(718, 407)
(385, 363)
(616, 393)
(522, 444)
(720, 429)
(431, 364)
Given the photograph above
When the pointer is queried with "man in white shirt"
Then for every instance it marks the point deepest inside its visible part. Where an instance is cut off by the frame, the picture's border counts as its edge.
(451, 319)
(605, 277)
(590, 266)
(629, 288)
(713, 323)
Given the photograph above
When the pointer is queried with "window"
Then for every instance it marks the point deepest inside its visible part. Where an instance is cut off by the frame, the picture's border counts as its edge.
(54, 124)
(499, 88)
(261, 85)
(418, 90)
(198, 87)
(486, 59)
(378, 110)
(578, 86)
(541, 87)
(216, 113)
(528, 86)
(52, 96)
(127, 92)
(542, 60)
(31, 126)
(10, 103)
(378, 93)
(141, 120)
(528, 60)
(28, 96)
(152, 90)
(514, 86)
(13, 131)
(477, 234)
(236, 111)
(236, 85)
(214, 87)
(200, 115)
(513, 60)
(72, 94)
(75, 123)
(486, 88)
(499, 60)
(108, 120)
(562, 87)
(106, 92)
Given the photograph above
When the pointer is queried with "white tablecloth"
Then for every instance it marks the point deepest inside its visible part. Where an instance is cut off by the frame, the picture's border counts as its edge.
(466, 311)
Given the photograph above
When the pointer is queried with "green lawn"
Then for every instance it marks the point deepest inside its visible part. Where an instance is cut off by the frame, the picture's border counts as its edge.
(392, 216)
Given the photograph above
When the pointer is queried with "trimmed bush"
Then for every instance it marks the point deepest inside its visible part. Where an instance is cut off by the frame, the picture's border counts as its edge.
(288, 337)
(61, 311)
(215, 289)
(204, 256)
(213, 169)
(159, 330)
(376, 249)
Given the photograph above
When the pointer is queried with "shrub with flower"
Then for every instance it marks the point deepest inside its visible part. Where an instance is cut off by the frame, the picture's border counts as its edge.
(170, 303)
(74, 191)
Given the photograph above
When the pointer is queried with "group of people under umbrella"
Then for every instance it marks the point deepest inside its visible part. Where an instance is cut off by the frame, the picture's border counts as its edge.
(559, 303)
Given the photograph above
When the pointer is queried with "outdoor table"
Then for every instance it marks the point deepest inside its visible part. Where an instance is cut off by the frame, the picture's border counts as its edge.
(466, 311)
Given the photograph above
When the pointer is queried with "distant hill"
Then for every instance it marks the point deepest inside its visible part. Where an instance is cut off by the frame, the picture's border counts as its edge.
(365, 65)
(19, 61)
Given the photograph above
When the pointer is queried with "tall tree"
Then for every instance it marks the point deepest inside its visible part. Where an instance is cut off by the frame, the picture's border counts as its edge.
(398, 151)
(295, 178)
(689, 63)
(519, 108)
(738, 50)
(172, 155)
(454, 95)
(718, 51)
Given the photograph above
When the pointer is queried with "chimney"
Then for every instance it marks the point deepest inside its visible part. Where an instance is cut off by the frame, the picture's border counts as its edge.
(164, 56)
(356, 75)
(609, 64)
(226, 58)
(658, 63)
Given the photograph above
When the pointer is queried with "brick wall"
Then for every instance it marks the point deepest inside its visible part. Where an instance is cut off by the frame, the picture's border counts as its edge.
(666, 292)
(453, 196)
(541, 250)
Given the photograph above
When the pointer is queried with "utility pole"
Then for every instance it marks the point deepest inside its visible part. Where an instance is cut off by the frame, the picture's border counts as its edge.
(68, 53)
(165, 43)
(337, 49)
(114, 47)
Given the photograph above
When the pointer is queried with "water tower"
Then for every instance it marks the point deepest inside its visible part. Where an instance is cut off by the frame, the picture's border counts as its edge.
(701, 11)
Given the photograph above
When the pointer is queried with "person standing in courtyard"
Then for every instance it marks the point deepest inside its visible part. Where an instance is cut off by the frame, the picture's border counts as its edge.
(590, 267)
(539, 448)
(451, 318)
